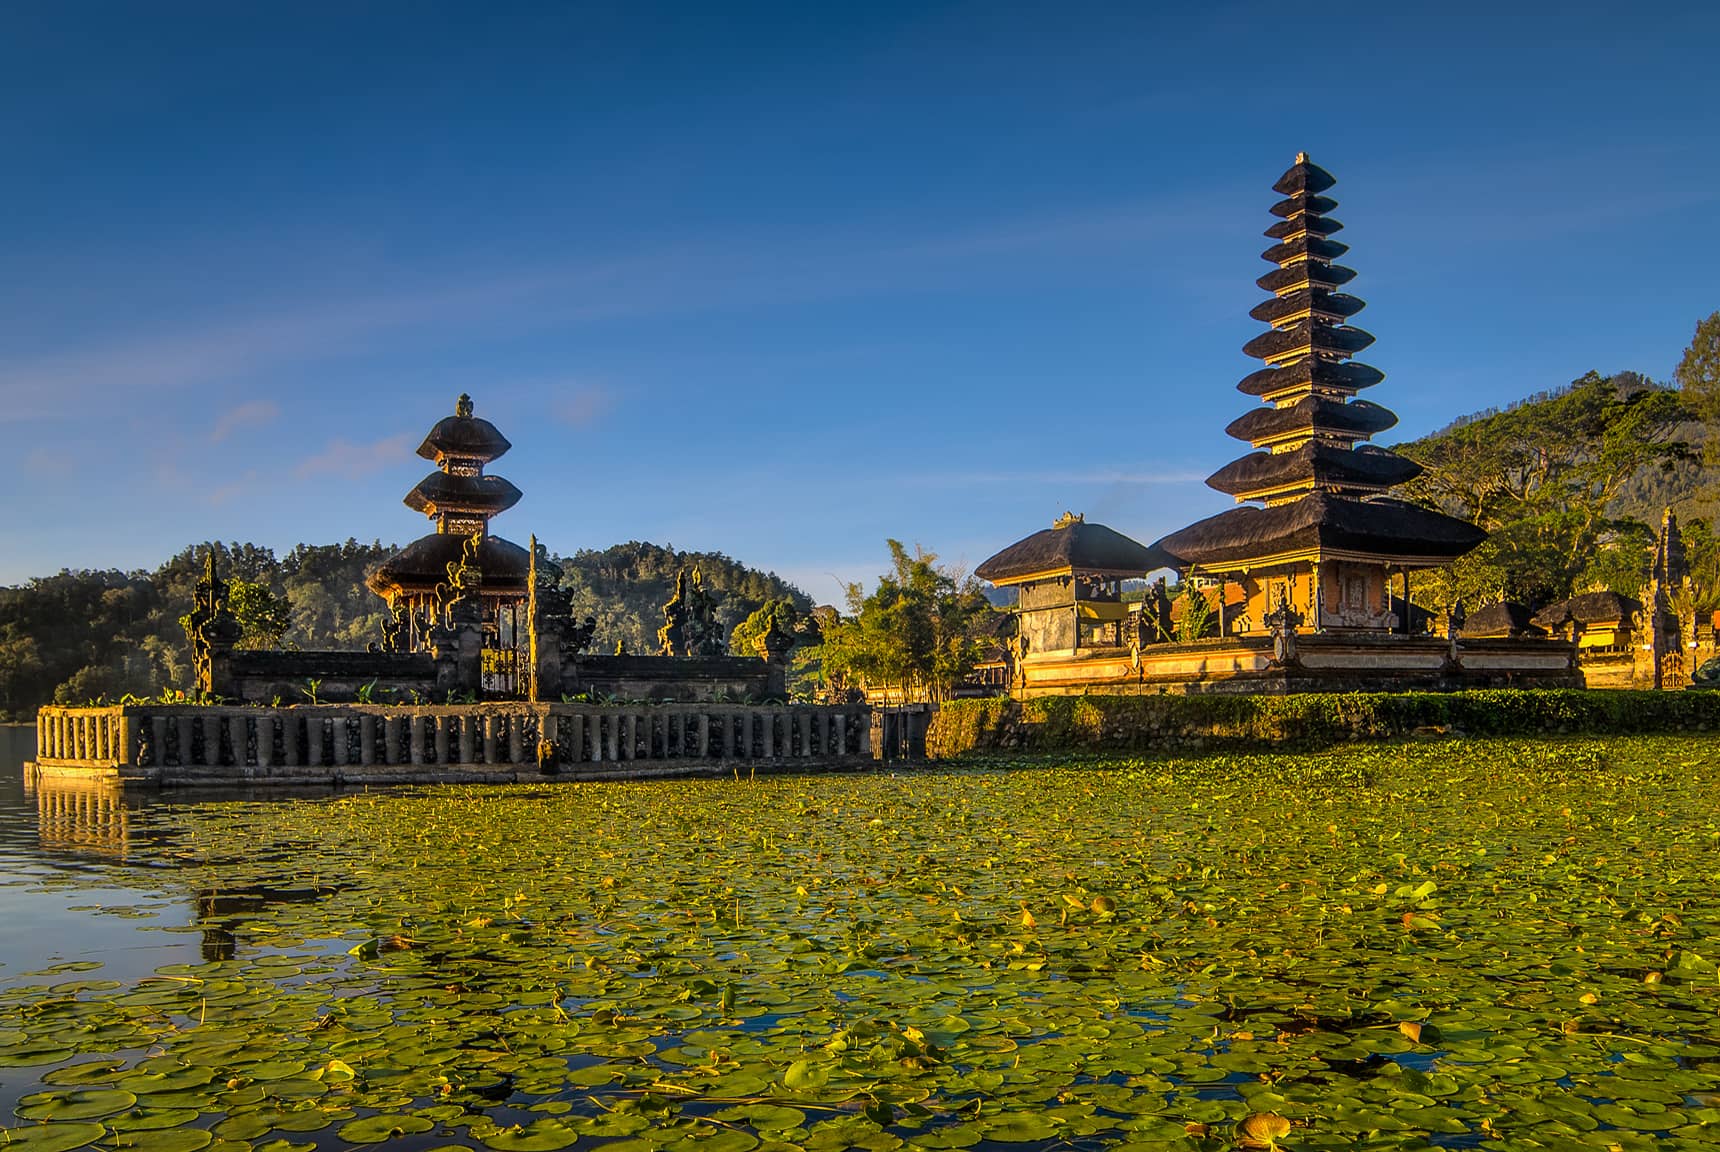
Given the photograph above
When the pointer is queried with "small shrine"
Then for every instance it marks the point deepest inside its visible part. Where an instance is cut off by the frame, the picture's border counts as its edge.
(1318, 528)
(1068, 581)
(419, 581)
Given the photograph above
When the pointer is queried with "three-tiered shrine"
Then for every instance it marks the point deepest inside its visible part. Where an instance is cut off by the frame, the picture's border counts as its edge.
(461, 499)
(1317, 529)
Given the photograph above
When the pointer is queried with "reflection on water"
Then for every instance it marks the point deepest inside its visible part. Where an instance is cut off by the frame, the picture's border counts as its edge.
(80, 869)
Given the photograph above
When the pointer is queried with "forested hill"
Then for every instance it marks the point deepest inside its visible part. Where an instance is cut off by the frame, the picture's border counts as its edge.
(1570, 484)
(87, 635)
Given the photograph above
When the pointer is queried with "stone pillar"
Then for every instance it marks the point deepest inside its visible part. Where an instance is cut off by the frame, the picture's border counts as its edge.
(210, 726)
(314, 741)
(517, 738)
(391, 739)
(628, 737)
(182, 728)
(703, 734)
(489, 729)
(440, 737)
(265, 742)
(158, 741)
(414, 739)
(291, 756)
(236, 736)
(576, 752)
(806, 733)
(468, 738)
(864, 736)
(366, 739)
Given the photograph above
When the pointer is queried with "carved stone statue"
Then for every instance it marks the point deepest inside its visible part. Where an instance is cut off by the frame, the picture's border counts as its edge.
(396, 627)
(672, 636)
(703, 634)
(1283, 621)
(1708, 675)
(211, 627)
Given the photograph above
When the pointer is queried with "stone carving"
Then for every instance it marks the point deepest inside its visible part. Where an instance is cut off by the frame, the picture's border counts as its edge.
(690, 626)
(459, 600)
(1283, 622)
(396, 628)
(211, 627)
(672, 636)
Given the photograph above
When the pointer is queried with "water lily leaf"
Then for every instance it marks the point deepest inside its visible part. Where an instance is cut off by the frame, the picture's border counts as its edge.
(76, 1104)
(162, 1140)
(386, 1126)
(1018, 1127)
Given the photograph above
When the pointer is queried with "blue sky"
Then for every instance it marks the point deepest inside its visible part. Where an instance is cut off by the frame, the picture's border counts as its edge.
(786, 280)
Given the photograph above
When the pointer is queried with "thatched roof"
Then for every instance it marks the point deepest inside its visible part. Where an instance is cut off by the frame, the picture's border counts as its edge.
(1346, 377)
(1604, 607)
(1312, 414)
(1366, 466)
(1306, 272)
(1322, 302)
(1304, 177)
(1076, 546)
(423, 564)
(441, 492)
(1309, 336)
(1504, 619)
(464, 434)
(1302, 202)
(1305, 247)
(1389, 529)
(1311, 224)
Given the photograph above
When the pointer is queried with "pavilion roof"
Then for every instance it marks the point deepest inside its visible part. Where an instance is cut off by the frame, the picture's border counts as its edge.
(423, 564)
(1075, 546)
(464, 434)
(445, 492)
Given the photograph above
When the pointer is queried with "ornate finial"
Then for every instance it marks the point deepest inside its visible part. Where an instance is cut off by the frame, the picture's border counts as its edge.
(1069, 518)
(1301, 157)
(463, 406)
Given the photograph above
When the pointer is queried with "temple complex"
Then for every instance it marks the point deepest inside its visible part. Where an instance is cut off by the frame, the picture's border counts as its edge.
(1317, 529)
(1306, 584)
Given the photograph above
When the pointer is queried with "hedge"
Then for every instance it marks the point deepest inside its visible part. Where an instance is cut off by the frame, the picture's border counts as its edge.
(1055, 723)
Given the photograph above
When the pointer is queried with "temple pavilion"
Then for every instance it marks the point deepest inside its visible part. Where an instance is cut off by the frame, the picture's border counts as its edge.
(1068, 580)
(1317, 528)
(460, 499)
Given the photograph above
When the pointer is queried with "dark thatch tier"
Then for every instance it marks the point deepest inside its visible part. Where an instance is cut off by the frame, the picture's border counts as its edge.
(1310, 415)
(1079, 546)
(1305, 247)
(1304, 225)
(423, 564)
(1348, 377)
(1387, 529)
(467, 436)
(1304, 274)
(1317, 300)
(1308, 336)
(1364, 467)
(443, 492)
(1296, 205)
(1304, 178)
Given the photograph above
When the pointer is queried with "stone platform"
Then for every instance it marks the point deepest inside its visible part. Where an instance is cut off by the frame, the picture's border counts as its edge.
(146, 745)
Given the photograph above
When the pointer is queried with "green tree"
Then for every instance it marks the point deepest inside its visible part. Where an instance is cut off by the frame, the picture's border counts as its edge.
(263, 616)
(919, 632)
(1698, 376)
(743, 640)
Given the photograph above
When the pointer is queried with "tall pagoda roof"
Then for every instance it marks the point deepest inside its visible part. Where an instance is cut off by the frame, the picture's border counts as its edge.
(1384, 528)
(1323, 486)
(465, 435)
(1072, 545)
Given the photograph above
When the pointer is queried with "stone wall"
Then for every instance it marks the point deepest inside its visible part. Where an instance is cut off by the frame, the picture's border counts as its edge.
(665, 678)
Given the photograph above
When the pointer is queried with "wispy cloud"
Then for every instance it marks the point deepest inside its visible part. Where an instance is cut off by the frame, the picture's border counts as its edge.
(348, 460)
(585, 405)
(256, 414)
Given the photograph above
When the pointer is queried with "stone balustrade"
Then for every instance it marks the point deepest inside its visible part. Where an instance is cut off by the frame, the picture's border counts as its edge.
(194, 744)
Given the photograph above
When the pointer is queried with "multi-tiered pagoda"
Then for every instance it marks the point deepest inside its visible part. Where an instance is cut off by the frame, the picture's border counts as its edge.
(1317, 529)
(460, 499)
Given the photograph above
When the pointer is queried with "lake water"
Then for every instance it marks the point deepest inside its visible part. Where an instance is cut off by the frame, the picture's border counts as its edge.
(1405, 946)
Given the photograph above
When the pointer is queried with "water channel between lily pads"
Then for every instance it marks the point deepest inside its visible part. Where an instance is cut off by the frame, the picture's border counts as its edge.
(1427, 945)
